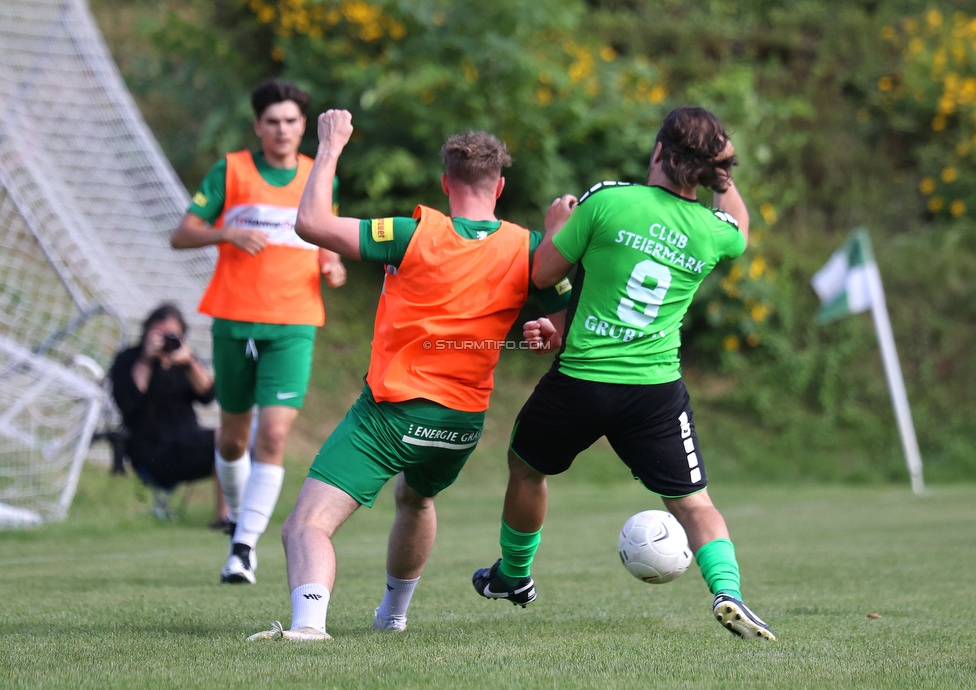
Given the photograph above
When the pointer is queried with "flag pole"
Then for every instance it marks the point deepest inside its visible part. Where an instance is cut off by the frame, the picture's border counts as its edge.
(896, 384)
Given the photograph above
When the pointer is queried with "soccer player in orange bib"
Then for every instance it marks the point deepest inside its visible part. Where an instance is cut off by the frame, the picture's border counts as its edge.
(266, 300)
(454, 286)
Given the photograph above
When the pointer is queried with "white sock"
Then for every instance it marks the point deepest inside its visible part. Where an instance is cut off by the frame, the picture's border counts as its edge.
(233, 476)
(260, 498)
(397, 598)
(309, 606)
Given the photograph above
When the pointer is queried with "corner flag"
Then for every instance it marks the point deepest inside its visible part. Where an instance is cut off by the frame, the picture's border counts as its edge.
(843, 284)
(849, 283)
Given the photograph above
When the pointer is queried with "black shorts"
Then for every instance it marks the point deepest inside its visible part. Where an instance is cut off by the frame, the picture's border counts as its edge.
(650, 427)
(184, 459)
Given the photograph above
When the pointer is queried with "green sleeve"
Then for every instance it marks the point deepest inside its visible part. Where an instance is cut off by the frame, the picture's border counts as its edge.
(726, 234)
(389, 246)
(208, 202)
(552, 299)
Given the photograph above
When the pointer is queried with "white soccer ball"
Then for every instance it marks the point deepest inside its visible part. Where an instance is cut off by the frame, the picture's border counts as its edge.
(653, 547)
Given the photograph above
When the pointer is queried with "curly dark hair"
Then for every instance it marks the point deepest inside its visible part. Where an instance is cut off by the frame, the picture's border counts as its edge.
(691, 140)
(475, 158)
(273, 91)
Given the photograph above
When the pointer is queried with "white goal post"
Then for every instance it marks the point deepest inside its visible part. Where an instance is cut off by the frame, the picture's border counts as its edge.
(87, 204)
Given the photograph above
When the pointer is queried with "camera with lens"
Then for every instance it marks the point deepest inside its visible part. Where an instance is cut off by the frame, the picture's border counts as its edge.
(171, 342)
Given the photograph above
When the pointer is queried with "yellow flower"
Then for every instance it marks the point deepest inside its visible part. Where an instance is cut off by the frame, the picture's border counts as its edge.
(926, 185)
(759, 313)
(950, 175)
(916, 46)
(753, 340)
(959, 53)
(768, 212)
(657, 94)
(934, 18)
(731, 343)
(885, 83)
(543, 95)
(607, 54)
(582, 68)
(935, 204)
(757, 267)
(968, 91)
(888, 32)
(957, 208)
(938, 123)
(735, 273)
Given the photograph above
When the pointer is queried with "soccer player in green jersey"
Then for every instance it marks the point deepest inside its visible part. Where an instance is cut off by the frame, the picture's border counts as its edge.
(641, 251)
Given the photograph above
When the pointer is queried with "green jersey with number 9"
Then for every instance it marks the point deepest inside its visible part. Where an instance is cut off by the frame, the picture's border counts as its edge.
(642, 253)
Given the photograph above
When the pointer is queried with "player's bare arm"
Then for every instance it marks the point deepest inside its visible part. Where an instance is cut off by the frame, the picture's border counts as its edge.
(730, 200)
(317, 222)
(549, 266)
(193, 232)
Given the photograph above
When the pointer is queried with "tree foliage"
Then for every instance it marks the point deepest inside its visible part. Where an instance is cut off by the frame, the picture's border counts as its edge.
(930, 96)
(843, 113)
(414, 72)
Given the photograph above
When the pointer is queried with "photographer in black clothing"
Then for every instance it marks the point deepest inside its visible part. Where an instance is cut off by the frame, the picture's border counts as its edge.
(155, 385)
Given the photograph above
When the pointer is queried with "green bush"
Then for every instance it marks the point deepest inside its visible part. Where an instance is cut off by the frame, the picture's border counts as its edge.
(843, 114)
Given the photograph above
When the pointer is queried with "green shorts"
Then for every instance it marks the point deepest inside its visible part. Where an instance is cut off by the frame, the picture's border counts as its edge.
(428, 442)
(272, 371)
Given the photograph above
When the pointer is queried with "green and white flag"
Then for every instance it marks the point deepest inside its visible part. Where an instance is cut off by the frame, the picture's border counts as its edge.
(847, 282)
(850, 283)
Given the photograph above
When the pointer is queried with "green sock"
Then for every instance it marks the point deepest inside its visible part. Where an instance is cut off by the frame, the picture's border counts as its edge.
(518, 552)
(719, 567)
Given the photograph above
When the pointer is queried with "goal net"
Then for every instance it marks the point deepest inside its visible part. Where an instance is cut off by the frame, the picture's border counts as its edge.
(87, 204)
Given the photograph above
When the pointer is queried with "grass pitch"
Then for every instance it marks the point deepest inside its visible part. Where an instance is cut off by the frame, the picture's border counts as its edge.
(113, 598)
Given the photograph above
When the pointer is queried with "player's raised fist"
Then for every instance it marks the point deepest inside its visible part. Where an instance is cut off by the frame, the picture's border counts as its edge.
(559, 211)
(335, 128)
